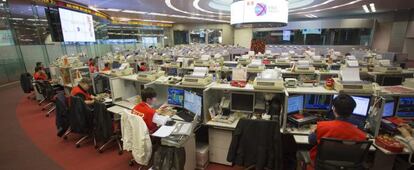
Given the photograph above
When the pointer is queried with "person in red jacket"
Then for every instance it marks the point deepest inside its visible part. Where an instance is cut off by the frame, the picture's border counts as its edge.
(340, 128)
(40, 74)
(145, 110)
(81, 90)
(107, 68)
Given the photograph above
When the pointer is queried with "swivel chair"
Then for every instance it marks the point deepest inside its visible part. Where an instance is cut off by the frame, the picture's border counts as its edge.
(336, 154)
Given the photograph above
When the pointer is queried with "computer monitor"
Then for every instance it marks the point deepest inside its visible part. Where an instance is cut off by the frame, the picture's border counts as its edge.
(295, 104)
(388, 109)
(242, 102)
(192, 103)
(405, 107)
(318, 102)
(172, 72)
(101, 84)
(176, 97)
(362, 105)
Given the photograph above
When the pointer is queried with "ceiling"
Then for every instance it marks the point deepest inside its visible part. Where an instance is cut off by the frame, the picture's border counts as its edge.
(217, 11)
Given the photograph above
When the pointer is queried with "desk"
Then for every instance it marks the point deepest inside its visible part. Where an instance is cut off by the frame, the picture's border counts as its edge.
(189, 145)
(311, 90)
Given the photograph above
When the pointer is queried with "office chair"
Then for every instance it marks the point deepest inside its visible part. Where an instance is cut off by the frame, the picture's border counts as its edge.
(336, 154)
(80, 120)
(48, 93)
(104, 128)
(26, 83)
(39, 90)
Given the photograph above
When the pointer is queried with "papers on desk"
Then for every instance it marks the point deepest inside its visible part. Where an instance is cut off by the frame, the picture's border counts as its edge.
(350, 75)
(164, 131)
(256, 62)
(160, 120)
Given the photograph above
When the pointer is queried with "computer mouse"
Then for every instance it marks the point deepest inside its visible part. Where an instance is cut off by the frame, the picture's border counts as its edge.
(170, 123)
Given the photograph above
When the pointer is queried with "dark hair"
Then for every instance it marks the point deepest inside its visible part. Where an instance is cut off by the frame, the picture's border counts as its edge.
(37, 69)
(143, 63)
(347, 54)
(106, 64)
(38, 64)
(86, 81)
(344, 105)
(148, 93)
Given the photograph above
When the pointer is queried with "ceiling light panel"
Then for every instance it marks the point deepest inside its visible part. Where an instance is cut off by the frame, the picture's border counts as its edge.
(365, 7)
(372, 6)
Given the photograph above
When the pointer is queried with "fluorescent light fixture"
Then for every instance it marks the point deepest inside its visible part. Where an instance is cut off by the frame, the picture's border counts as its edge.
(311, 16)
(329, 8)
(93, 8)
(134, 12)
(365, 7)
(372, 6)
(4, 0)
(112, 9)
(196, 6)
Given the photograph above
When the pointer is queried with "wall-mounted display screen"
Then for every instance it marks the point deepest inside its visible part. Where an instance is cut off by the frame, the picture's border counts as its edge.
(259, 11)
(76, 26)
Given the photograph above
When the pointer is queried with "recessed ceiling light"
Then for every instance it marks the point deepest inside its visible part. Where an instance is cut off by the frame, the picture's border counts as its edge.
(365, 7)
(372, 6)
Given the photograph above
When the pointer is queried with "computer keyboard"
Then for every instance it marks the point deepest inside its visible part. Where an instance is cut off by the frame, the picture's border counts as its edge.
(185, 116)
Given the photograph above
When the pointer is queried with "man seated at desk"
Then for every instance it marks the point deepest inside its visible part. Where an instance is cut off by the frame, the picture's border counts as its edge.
(81, 90)
(40, 74)
(145, 110)
(106, 68)
(341, 128)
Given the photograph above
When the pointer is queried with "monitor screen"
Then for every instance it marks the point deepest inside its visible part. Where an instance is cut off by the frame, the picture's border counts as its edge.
(176, 97)
(192, 103)
(295, 104)
(76, 26)
(406, 107)
(388, 109)
(362, 105)
(172, 72)
(242, 102)
(319, 102)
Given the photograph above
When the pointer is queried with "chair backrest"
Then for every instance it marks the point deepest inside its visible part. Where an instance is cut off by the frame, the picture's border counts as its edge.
(341, 154)
(80, 115)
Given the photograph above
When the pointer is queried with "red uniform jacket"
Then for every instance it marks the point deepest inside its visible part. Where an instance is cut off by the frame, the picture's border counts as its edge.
(147, 113)
(336, 129)
(78, 90)
(40, 76)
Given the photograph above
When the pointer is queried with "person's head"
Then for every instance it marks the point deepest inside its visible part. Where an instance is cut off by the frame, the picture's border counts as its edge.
(92, 63)
(106, 64)
(143, 64)
(37, 69)
(85, 83)
(39, 64)
(347, 54)
(148, 95)
(343, 106)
